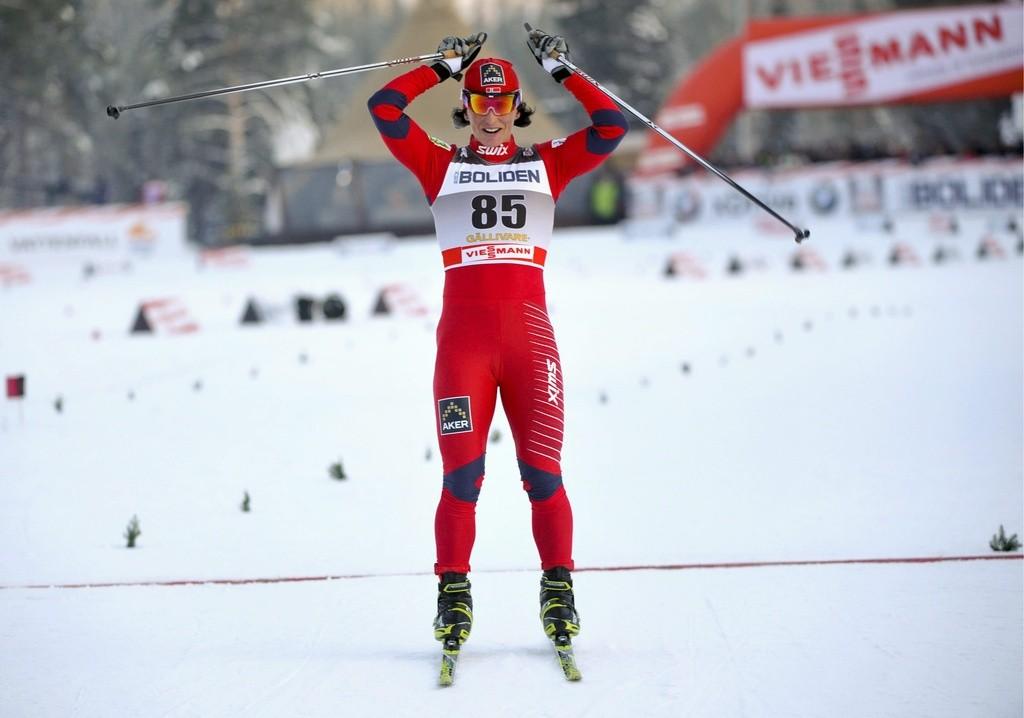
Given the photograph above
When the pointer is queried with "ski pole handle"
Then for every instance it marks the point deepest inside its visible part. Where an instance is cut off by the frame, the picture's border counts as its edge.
(449, 54)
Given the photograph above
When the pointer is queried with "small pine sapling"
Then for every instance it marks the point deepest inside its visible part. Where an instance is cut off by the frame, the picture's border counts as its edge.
(1000, 542)
(337, 471)
(246, 503)
(132, 531)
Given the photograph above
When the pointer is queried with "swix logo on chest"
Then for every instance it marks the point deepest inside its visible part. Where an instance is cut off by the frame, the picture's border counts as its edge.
(496, 151)
(553, 391)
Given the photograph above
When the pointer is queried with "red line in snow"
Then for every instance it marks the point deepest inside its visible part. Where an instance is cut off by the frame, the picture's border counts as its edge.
(585, 569)
(820, 562)
(219, 581)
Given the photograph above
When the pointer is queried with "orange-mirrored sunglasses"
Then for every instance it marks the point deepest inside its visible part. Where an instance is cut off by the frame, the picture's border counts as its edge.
(499, 104)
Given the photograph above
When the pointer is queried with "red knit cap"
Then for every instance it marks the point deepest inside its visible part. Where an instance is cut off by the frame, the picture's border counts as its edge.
(491, 76)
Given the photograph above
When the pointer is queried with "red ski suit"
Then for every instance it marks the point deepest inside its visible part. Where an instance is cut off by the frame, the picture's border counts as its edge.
(494, 333)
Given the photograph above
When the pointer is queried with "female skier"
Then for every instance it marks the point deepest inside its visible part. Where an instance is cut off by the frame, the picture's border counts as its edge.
(493, 205)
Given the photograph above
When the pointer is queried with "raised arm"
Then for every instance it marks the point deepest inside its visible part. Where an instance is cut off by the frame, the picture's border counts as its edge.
(585, 149)
(425, 156)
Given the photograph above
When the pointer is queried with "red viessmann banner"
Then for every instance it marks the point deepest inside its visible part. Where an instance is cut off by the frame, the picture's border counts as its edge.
(910, 56)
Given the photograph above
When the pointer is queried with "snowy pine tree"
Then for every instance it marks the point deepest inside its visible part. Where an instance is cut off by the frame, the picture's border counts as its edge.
(223, 156)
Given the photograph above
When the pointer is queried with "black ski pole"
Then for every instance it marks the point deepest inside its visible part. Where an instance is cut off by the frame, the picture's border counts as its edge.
(116, 110)
(801, 234)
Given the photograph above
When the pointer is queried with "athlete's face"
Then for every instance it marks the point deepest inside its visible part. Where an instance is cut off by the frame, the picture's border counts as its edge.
(490, 128)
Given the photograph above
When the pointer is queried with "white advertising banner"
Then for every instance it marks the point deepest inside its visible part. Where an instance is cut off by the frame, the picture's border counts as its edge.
(883, 58)
(95, 233)
(849, 191)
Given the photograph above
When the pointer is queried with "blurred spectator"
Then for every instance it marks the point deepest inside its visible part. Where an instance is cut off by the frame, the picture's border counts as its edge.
(100, 191)
(154, 192)
(606, 199)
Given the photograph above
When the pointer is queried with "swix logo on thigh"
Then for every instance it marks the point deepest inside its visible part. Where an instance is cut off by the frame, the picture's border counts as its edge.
(454, 415)
(553, 390)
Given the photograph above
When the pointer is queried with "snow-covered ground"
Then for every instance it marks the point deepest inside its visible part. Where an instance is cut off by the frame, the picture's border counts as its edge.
(774, 416)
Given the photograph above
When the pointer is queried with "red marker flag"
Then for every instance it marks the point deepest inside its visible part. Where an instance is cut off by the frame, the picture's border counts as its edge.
(16, 387)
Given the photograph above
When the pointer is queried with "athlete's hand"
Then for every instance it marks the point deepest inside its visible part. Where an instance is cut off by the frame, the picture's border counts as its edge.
(545, 49)
(459, 53)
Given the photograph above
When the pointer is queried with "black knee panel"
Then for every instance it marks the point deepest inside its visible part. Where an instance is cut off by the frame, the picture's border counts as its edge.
(539, 485)
(462, 482)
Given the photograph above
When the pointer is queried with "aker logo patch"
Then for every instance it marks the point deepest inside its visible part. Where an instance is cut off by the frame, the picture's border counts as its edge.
(454, 415)
(491, 73)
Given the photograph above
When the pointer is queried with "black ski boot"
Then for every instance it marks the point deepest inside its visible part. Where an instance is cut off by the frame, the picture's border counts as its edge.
(557, 604)
(454, 610)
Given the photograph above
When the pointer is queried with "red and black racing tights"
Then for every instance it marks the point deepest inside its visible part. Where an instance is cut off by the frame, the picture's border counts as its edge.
(494, 335)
